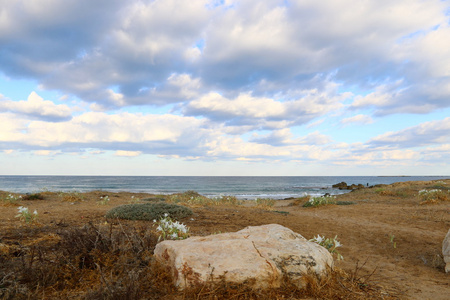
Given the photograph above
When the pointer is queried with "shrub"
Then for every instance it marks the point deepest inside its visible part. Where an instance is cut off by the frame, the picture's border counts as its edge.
(37, 196)
(329, 243)
(25, 215)
(171, 230)
(104, 200)
(433, 196)
(11, 199)
(319, 201)
(226, 200)
(148, 211)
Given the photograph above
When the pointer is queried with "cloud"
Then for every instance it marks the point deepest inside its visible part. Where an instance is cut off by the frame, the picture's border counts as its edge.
(36, 107)
(45, 152)
(425, 134)
(128, 153)
(361, 119)
(115, 53)
(263, 112)
(154, 134)
(285, 137)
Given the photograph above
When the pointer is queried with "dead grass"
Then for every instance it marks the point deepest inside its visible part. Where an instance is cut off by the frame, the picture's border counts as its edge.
(115, 261)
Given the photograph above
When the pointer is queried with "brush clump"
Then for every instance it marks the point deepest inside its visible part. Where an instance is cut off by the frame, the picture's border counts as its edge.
(148, 211)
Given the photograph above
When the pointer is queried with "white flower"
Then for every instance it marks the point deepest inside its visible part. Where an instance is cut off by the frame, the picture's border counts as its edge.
(22, 209)
(319, 239)
(35, 212)
(337, 243)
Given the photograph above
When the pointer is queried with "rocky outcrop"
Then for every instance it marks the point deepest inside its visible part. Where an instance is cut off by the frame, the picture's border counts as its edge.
(344, 186)
(446, 251)
(258, 255)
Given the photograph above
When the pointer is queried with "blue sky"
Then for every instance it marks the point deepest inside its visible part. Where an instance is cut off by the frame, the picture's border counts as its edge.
(175, 87)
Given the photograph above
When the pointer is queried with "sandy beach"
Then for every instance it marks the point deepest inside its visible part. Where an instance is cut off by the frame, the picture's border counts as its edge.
(389, 234)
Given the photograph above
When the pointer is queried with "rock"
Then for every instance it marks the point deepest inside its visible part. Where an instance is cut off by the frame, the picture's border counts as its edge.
(342, 185)
(259, 255)
(446, 252)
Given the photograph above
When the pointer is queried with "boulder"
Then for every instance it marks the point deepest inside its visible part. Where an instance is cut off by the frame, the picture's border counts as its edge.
(341, 185)
(446, 251)
(258, 255)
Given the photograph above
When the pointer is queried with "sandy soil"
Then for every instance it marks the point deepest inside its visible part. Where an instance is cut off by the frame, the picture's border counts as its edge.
(412, 268)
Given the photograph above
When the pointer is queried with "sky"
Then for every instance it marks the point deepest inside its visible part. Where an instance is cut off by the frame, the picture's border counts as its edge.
(231, 87)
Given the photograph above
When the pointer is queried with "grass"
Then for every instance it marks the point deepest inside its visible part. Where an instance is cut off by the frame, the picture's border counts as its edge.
(72, 196)
(10, 199)
(320, 201)
(148, 211)
(392, 192)
(265, 203)
(433, 196)
(194, 199)
(116, 262)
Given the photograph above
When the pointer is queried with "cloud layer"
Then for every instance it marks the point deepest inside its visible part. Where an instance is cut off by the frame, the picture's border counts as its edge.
(293, 81)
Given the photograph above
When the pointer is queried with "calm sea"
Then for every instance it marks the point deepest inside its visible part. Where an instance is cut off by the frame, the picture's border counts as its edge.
(241, 187)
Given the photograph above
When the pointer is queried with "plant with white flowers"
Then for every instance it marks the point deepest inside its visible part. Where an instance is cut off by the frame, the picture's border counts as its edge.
(171, 230)
(12, 199)
(319, 201)
(329, 243)
(104, 200)
(25, 215)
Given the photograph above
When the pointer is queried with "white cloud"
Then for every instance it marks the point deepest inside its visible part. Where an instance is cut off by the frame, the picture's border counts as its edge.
(361, 119)
(45, 152)
(428, 133)
(38, 108)
(128, 153)
(263, 112)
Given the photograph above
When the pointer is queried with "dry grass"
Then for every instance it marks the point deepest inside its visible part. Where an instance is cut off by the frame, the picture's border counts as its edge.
(71, 196)
(194, 199)
(115, 261)
(265, 203)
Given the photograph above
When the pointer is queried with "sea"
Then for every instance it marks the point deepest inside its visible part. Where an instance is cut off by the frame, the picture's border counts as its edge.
(243, 187)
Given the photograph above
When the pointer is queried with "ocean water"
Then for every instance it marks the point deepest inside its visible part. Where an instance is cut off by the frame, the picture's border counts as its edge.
(243, 187)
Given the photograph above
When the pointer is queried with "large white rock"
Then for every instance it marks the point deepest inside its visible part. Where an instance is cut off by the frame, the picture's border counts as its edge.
(446, 251)
(259, 255)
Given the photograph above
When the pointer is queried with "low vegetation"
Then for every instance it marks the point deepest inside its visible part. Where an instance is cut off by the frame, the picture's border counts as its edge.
(265, 203)
(320, 201)
(148, 211)
(192, 198)
(116, 262)
(72, 196)
(431, 196)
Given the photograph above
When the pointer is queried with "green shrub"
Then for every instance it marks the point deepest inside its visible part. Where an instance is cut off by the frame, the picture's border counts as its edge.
(36, 196)
(148, 211)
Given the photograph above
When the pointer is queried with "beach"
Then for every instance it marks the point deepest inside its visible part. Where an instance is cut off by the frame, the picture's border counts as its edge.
(391, 236)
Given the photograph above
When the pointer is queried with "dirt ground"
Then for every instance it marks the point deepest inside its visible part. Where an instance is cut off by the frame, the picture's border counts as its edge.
(386, 231)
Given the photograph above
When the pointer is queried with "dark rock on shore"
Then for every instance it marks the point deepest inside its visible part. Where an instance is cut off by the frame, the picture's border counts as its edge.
(344, 186)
